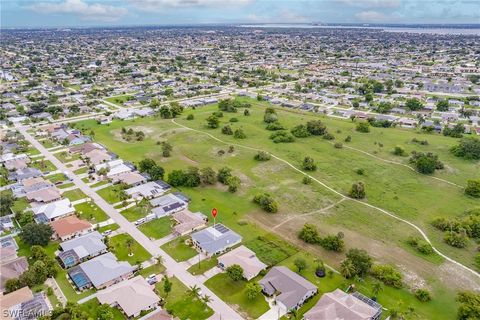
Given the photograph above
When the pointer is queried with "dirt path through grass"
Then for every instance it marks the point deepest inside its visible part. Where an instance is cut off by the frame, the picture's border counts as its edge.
(422, 233)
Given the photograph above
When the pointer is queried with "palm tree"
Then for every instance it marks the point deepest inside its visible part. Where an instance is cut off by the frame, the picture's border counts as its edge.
(194, 291)
(347, 269)
(377, 287)
(206, 298)
(129, 244)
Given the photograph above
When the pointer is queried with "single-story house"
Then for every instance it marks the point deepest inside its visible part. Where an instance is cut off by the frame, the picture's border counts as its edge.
(340, 305)
(167, 204)
(97, 156)
(25, 303)
(45, 195)
(131, 178)
(53, 211)
(132, 296)
(100, 272)
(290, 289)
(245, 258)
(187, 222)
(26, 173)
(70, 227)
(148, 190)
(215, 239)
(81, 248)
(12, 269)
(8, 248)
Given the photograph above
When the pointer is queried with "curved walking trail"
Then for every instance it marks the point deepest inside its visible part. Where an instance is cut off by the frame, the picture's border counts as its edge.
(424, 235)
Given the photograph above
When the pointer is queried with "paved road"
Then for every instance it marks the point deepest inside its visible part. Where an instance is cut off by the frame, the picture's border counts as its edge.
(173, 267)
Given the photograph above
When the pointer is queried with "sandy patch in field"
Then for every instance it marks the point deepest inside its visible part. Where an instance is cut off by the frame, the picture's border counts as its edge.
(188, 160)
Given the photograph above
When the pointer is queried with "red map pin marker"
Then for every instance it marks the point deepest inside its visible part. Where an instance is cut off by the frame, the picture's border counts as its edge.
(214, 212)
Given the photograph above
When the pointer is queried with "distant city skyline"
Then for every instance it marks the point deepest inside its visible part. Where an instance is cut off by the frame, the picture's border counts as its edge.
(77, 13)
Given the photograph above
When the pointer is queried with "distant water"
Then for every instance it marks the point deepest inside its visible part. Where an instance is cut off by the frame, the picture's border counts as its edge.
(433, 30)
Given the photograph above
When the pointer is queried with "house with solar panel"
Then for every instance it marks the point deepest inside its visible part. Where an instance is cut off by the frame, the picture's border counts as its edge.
(81, 249)
(100, 272)
(167, 204)
(215, 239)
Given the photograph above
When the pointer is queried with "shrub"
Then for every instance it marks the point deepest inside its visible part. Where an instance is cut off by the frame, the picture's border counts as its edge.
(233, 120)
(425, 163)
(456, 239)
(262, 156)
(235, 272)
(348, 138)
(316, 128)
(473, 188)
(423, 295)
(227, 130)
(363, 127)
(468, 148)
(332, 243)
(328, 136)
(239, 134)
(274, 126)
(309, 234)
(360, 171)
(421, 245)
(307, 180)
(282, 136)
(212, 121)
(469, 305)
(388, 275)
(357, 191)
(270, 115)
(309, 164)
(300, 131)
(338, 145)
(399, 151)
(190, 117)
(223, 174)
(266, 202)
(357, 263)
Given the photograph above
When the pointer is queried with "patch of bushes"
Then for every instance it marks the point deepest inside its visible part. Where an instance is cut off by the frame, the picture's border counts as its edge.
(473, 188)
(262, 156)
(266, 202)
(468, 148)
(300, 131)
(423, 295)
(421, 245)
(309, 234)
(274, 126)
(357, 191)
(282, 137)
(425, 163)
(387, 274)
(363, 127)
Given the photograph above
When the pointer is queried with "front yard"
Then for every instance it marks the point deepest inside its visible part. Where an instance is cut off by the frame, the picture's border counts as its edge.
(178, 250)
(121, 250)
(157, 228)
(91, 212)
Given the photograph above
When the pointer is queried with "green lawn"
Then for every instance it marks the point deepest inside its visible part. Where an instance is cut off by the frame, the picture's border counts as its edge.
(153, 269)
(57, 177)
(49, 143)
(81, 170)
(24, 249)
(43, 165)
(270, 249)
(98, 184)
(91, 212)
(119, 100)
(203, 266)
(110, 194)
(65, 156)
(20, 204)
(111, 227)
(91, 308)
(74, 195)
(234, 293)
(182, 304)
(136, 212)
(178, 250)
(120, 248)
(157, 228)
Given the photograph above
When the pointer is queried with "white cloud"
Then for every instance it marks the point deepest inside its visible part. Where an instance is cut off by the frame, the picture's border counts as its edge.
(284, 16)
(371, 16)
(372, 3)
(158, 5)
(86, 11)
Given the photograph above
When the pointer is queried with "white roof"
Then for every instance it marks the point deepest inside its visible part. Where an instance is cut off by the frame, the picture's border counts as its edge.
(132, 296)
(55, 209)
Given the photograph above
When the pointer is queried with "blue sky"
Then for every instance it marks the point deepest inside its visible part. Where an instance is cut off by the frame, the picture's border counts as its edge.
(40, 13)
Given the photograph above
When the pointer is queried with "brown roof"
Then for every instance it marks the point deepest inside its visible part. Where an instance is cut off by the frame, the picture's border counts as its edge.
(12, 299)
(129, 178)
(84, 148)
(44, 195)
(71, 224)
(32, 181)
(12, 269)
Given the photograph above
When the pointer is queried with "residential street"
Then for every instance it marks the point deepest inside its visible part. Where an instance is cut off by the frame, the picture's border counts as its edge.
(174, 268)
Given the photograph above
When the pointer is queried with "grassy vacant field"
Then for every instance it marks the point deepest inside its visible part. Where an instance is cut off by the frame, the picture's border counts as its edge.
(74, 195)
(178, 250)
(157, 228)
(203, 266)
(120, 248)
(119, 100)
(91, 212)
(110, 194)
(181, 303)
(393, 187)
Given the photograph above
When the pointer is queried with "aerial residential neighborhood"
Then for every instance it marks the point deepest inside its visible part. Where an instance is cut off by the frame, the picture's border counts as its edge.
(224, 160)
